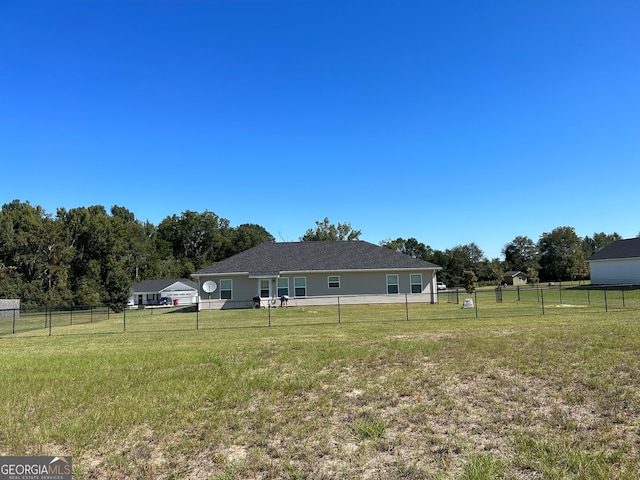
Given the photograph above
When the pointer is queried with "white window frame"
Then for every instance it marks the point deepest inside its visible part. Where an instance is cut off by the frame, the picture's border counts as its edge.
(268, 289)
(280, 287)
(396, 284)
(296, 287)
(411, 275)
(329, 281)
(230, 289)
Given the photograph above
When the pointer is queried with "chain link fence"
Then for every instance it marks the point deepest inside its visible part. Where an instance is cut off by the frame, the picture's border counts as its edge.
(453, 304)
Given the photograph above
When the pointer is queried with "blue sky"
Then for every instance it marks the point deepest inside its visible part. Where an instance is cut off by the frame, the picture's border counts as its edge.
(450, 122)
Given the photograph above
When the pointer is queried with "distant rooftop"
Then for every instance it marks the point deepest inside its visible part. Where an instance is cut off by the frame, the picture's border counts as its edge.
(628, 248)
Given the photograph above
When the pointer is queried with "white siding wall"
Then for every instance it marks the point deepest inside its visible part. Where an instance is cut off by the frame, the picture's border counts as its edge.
(619, 271)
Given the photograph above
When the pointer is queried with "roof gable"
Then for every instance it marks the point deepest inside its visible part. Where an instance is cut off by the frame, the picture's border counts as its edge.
(269, 259)
(628, 248)
(514, 273)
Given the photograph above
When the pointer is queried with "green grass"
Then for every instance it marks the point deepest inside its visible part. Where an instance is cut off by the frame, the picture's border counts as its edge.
(444, 395)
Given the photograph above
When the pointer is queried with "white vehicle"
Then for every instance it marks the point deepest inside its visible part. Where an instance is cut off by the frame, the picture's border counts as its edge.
(441, 286)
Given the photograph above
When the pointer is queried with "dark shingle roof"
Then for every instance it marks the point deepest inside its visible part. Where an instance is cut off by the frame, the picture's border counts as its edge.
(161, 284)
(272, 258)
(628, 248)
(513, 273)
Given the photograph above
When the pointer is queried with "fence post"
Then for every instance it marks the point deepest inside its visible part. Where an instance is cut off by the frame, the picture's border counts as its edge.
(622, 290)
(124, 320)
(518, 292)
(197, 314)
(475, 295)
(560, 291)
(71, 315)
(339, 319)
(542, 300)
(269, 308)
(606, 306)
(14, 321)
(406, 305)
(50, 321)
(588, 297)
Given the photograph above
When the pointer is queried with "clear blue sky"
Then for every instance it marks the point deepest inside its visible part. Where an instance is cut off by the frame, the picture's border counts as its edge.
(447, 121)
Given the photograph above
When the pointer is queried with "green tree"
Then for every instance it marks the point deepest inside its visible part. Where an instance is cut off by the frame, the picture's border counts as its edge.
(202, 238)
(521, 254)
(410, 246)
(33, 255)
(326, 231)
(117, 286)
(558, 250)
(532, 276)
(591, 245)
(246, 236)
(461, 258)
(469, 279)
(492, 271)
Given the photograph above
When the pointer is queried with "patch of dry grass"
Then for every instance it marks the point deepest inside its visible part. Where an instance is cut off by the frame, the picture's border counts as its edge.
(505, 398)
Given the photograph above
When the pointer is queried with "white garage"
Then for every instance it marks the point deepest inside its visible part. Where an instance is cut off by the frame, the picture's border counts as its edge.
(617, 263)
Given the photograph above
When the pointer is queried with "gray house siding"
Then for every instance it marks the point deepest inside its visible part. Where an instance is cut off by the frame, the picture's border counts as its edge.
(317, 285)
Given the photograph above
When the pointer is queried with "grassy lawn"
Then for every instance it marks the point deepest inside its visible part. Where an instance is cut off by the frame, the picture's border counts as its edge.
(511, 394)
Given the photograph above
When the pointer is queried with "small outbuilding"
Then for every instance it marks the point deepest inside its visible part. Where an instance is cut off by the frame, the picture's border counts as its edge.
(171, 292)
(9, 308)
(616, 264)
(514, 277)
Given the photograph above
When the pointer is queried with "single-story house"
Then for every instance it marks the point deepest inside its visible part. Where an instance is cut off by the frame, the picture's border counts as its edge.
(513, 277)
(176, 291)
(617, 263)
(315, 273)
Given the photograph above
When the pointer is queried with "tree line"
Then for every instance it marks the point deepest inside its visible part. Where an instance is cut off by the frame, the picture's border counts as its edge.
(88, 256)
(558, 255)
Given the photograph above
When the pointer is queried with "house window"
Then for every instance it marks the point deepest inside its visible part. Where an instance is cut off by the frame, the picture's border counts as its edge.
(392, 284)
(300, 286)
(226, 287)
(283, 286)
(264, 288)
(416, 283)
(334, 281)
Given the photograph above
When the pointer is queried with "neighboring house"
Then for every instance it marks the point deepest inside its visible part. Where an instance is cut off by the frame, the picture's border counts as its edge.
(515, 278)
(617, 263)
(315, 273)
(178, 291)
